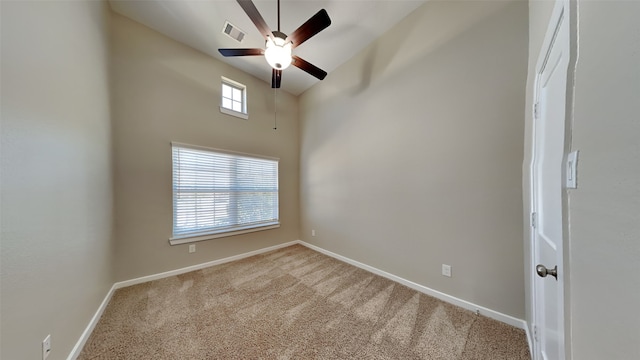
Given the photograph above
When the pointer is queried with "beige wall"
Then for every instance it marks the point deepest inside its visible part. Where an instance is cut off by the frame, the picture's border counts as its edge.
(165, 91)
(56, 248)
(411, 152)
(604, 212)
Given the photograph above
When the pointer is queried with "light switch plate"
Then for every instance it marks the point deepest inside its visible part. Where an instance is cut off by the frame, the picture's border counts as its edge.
(572, 170)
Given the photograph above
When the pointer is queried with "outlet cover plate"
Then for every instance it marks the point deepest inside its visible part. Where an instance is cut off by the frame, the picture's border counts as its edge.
(46, 347)
(446, 270)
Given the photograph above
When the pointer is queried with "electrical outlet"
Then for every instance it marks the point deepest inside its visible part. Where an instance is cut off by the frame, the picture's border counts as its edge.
(46, 347)
(192, 248)
(313, 233)
(446, 270)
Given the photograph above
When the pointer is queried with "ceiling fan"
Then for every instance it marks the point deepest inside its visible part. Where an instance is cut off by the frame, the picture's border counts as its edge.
(278, 47)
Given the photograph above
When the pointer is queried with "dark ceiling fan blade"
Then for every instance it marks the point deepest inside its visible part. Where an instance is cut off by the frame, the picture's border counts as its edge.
(241, 52)
(314, 25)
(308, 67)
(276, 78)
(254, 15)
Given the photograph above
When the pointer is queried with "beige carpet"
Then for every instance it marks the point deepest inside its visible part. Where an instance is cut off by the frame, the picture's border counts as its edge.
(292, 303)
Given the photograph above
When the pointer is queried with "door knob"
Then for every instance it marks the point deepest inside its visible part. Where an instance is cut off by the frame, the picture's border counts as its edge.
(543, 271)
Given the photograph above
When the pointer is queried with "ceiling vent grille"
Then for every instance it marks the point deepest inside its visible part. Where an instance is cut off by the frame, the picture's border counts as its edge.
(233, 31)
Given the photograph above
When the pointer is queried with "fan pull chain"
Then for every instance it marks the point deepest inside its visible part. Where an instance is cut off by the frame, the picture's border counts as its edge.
(275, 108)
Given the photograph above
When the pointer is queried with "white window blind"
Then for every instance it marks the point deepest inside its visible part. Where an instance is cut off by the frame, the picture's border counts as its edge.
(218, 192)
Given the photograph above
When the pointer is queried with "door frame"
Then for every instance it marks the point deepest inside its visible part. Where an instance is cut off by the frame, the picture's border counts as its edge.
(561, 12)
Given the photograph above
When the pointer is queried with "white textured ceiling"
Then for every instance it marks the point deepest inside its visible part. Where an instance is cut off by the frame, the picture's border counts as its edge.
(199, 23)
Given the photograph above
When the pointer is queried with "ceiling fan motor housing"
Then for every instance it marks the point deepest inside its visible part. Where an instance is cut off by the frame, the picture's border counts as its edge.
(279, 34)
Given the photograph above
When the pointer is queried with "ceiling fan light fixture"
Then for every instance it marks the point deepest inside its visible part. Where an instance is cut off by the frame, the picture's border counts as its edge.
(279, 45)
(278, 53)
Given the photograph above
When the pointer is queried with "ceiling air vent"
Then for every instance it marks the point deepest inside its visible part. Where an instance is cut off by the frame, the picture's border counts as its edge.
(233, 31)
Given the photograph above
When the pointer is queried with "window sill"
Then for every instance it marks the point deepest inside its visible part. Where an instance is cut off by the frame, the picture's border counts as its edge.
(215, 235)
(234, 113)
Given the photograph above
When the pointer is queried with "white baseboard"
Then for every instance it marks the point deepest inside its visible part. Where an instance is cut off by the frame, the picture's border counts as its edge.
(187, 269)
(507, 319)
(92, 324)
(423, 289)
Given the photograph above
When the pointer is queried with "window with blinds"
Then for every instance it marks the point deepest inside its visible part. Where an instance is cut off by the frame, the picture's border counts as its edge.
(218, 193)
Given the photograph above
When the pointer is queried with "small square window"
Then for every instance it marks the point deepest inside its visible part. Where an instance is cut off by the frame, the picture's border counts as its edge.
(234, 99)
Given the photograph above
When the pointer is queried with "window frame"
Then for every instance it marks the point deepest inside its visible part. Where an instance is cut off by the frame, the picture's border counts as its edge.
(244, 114)
(183, 238)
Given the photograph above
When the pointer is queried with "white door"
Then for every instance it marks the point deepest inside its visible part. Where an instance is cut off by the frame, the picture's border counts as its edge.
(547, 187)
